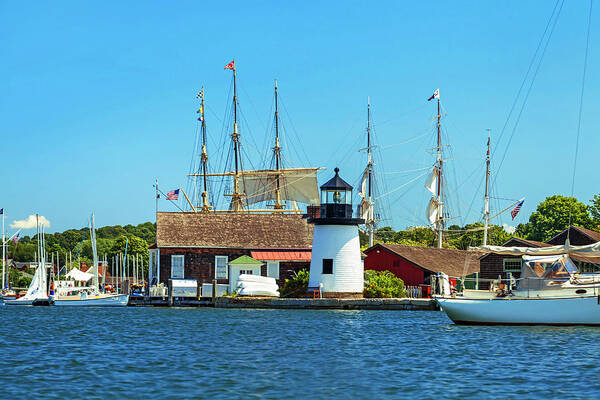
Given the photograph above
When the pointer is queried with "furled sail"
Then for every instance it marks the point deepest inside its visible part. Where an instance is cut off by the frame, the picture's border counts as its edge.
(431, 183)
(363, 184)
(432, 211)
(295, 185)
(590, 250)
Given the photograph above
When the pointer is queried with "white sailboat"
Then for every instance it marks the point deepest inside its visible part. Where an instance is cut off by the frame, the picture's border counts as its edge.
(366, 208)
(550, 291)
(38, 288)
(89, 295)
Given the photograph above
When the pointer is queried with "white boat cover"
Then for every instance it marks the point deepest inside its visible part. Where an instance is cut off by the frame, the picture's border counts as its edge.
(298, 185)
(257, 278)
(79, 275)
(590, 250)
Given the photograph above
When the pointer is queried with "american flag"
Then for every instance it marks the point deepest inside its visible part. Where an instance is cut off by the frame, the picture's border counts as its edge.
(173, 195)
(516, 210)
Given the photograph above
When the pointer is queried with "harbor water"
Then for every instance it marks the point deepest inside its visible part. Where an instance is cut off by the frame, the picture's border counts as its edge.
(180, 353)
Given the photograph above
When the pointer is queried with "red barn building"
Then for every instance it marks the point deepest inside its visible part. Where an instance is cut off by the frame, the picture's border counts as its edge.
(414, 265)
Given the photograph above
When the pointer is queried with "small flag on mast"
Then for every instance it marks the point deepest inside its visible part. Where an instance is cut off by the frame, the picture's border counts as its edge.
(516, 210)
(16, 239)
(199, 95)
(230, 66)
(1, 211)
(435, 95)
(173, 195)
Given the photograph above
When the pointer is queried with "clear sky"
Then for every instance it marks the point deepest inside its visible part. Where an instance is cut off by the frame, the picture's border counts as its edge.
(98, 98)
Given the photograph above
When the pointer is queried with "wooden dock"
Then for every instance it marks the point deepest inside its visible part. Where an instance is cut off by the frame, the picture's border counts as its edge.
(283, 303)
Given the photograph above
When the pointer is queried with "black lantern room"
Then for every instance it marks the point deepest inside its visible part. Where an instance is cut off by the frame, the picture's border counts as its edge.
(336, 203)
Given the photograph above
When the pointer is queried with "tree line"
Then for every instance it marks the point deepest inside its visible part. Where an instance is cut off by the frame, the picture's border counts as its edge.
(76, 243)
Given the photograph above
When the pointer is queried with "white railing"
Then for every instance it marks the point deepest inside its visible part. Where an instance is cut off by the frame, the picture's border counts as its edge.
(413, 292)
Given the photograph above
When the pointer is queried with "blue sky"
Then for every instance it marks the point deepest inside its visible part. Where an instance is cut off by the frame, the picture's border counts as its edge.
(98, 98)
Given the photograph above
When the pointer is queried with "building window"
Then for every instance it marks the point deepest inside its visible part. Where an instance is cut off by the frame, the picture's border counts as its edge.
(246, 271)
(511, 264)
(177, 270)
(273, 269)
(221, 267)
(327, 266)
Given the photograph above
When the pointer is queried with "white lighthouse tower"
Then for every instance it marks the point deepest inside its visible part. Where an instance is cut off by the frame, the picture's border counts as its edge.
(336, 265)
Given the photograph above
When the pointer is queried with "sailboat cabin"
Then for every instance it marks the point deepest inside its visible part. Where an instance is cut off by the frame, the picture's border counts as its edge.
(201, 246)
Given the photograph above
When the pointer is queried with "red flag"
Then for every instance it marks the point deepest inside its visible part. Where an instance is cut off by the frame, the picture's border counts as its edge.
(231, 65)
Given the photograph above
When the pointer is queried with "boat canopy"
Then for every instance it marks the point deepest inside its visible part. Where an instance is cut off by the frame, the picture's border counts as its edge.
(545, 272)
(590, 250)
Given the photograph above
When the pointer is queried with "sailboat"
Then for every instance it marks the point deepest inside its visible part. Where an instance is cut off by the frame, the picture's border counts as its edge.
(279, 188)
(38, 288)
(89, 295)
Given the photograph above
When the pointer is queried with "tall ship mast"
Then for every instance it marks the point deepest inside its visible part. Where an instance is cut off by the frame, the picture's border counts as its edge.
(204, 155)
(272, 187)
(367, 205)
(434, 184)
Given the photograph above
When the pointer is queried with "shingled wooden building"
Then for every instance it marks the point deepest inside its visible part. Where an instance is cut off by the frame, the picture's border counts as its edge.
(200, 245)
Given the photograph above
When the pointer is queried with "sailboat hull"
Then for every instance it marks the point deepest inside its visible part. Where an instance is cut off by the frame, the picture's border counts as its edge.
(584, 310)
(112, 300)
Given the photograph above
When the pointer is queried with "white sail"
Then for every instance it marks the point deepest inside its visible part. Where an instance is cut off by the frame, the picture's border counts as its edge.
(432, 181)
(432, 211)
(363, 184)
(295, 185)
(364, 210)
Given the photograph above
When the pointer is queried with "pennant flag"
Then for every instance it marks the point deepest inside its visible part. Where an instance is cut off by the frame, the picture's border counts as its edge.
(230, 66)
(516, 210)
(173, 195)
(435, 95)
(16, 239)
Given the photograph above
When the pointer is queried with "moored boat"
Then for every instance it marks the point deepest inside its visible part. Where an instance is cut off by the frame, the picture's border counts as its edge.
(550, 291)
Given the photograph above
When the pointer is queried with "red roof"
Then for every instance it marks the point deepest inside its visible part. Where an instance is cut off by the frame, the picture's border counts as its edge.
(288, 255)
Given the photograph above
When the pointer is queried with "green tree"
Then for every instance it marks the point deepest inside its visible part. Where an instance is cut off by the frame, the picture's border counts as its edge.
(416, 236)
(297, 285)
(385, 234)
(380, 284)
(595, 211)
(552, 216)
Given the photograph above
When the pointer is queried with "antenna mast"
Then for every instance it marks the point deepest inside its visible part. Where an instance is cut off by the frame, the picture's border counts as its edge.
(486, 204)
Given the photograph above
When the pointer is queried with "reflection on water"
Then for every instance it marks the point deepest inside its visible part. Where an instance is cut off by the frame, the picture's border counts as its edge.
(206, 353)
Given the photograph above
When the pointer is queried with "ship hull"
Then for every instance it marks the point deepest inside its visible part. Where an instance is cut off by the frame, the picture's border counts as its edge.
(119, 300)
(584, 310)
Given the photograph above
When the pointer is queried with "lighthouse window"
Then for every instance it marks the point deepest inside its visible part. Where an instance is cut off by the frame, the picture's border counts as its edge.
(327, 266)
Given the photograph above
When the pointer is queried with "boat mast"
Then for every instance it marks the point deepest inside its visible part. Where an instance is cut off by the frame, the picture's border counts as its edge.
(370, 222)
(94, 251)
(236, 197)
(486, 204)
(277, 150)
(440, 217)
(204, 156)
(4, 283)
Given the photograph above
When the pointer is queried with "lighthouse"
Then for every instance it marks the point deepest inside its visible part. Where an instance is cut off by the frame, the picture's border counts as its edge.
(336, 266)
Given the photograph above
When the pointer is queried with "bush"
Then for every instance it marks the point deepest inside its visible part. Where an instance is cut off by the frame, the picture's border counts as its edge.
(379, 284)
(295, 286)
